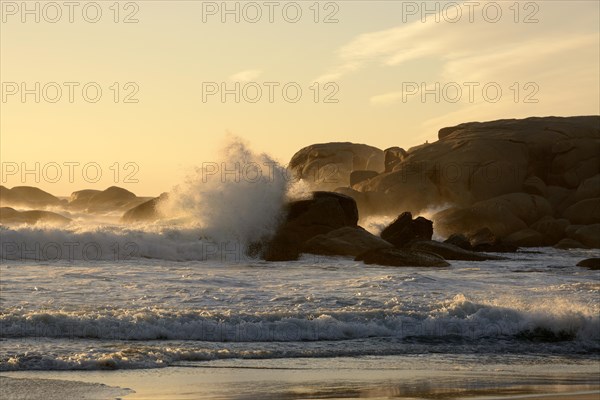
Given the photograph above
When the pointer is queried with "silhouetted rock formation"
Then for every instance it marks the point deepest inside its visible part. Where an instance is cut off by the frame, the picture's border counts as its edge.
(146, 211)
(112, 199)
(401, 258)
(405, 229)
(27, 196)
(10, 216)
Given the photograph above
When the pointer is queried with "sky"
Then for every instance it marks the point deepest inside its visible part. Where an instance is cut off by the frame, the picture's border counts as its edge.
(138, 93)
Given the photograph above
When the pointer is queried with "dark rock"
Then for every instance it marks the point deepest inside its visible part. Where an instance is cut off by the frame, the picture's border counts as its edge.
(485, 240)
(404, 230)
(304, 219)
(589, 235)
(347, 241)
(10, 216)
(401, 258)
(27, 196)
(146, 211)
(536, 186)
(584, 212)
(588, 189)
(525, 238)
(360, 176)
(459, 240)
(568, 243)
(552, 230)
(450, 252)
(590, 263)
(392, 157)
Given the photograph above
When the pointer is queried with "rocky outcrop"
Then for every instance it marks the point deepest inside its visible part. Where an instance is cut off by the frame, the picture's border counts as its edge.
(588, 235)
(347, 241)
(450, 252)
(504, 175)
(329, 165)
(305, 219)
(27, 196)
(113, 198)
(405, 229)
(145, 212)
(401, 258)
(10, 216)
(590, 263)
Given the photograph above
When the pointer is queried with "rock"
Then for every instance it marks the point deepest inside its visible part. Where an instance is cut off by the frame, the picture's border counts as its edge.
(146, 211)
(329, 165)
(113, 198)
(503, 215)
(475, 161)
(459, 240)
(27, 196)
(401, 258)
(536, 186)
(568, 243)
(450, 252)
(360, 176)
(588, 189)
(552, 229)
(590, 263)
(392, 157)
(80, 199)
(589, 235)
(404, 230)
(584, 212)
(525, 238)
(10, 216)
(346, 241)
(559, 198)
(304, 219)
(485, 240)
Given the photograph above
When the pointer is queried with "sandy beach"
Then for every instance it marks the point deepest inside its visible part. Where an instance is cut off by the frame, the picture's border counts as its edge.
(367, 377)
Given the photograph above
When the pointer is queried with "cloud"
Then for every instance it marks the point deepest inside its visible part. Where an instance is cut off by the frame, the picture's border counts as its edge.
(246, 76)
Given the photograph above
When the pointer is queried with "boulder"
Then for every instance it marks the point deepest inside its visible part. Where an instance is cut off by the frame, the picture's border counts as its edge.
(588, 189)
(392, 157)
(552, 229)
(449, 251)
(459, 240)
(80, 198)
(525, 238)
(146, 211)
(584, 212)
(27, 196)
(536, 186)
(401, 258)
(405, 229)
(113, 198)
(10, 216)
(590, 263)
(360, 176)
(567, 243)
(304, 219)
(485, 240)
(329, 165)
(589, 235)
(346, 241)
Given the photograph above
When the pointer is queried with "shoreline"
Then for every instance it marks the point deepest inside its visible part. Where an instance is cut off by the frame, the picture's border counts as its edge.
(339, 378)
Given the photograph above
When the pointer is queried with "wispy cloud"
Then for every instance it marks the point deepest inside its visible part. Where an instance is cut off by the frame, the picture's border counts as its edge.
(246, 75)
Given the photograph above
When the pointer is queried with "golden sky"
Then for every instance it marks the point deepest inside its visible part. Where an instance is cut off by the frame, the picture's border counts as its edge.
(385, 73)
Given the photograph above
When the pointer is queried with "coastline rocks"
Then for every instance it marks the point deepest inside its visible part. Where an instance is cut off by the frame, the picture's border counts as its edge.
(525, 238)
(360, 176)
(304, 219)
(346, 241)
(552, 230)
(405, 229)
(584, 212)
(392, 157)
(329, 165)
(590, 263)
(10, 216)
(567, 243)
(589, 235)
(146, 211)
(485, 240)
(401, 258)
(27, 196)
(111, 199)
(450, 252)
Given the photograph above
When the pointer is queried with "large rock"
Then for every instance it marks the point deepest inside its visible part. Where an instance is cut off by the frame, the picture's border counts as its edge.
(590, 263)
(589, 235)
(450, 252)
(10, 216)
(477, 161)
(552, 230)
(329, 165)
(146, 211)
(401, 258)
(304, 219)
(584, 212)
(27, 196)
(405, 229)
(588, 189)
(485, 240)
(392, 157)
(346, 241)
(361, 176)
(526, 238)
(113, 198)
(568, 243)
(503, 215)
